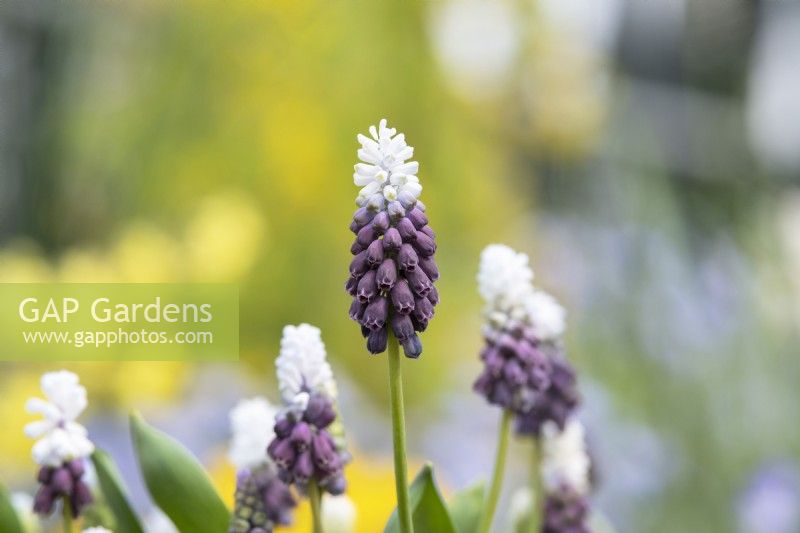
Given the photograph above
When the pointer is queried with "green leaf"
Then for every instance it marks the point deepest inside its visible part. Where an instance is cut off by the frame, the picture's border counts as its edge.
(428, 510)
(115, 494)
(176, 481)
(9, 520)
(465, 508)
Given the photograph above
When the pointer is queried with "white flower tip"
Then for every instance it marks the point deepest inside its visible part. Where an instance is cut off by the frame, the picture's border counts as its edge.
(252, 421)
(504, 276)
(546, 316)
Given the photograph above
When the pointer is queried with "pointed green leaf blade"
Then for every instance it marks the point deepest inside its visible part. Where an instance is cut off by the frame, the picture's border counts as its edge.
(176, 481)
(428, 510)
(115, 494)
(9, 520)
(465, 508)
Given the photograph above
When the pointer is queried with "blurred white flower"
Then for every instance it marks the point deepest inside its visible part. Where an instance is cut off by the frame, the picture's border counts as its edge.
(338, 514)
(520, 507)
(252, 422)
(302, 366)
(547, 317)
(565, 461)
(60, 438)
(97, 530)
(773, 106)
(504, 277)
(384, 168)
(477, 44)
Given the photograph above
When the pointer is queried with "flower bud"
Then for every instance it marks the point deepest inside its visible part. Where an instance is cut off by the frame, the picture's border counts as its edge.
(359, 265)
(386, 275)
(407, 257)
(381, 222)
(366, 235)
(303, 468)
(423, 309)
(407, 230)
(429, 232)
(62, 481)
(402, 326)
(357, 310)
(419, 282)
(392, 240)
(418, 218)
(301, 436)
(402, 299)
(362, 216)
(356, 248)
(376, 313)
(424, 244)
(367, 288)
(377, 340)
(412, 347)
(282, 452)
(396, 210)
(375, 253)
(428, 265)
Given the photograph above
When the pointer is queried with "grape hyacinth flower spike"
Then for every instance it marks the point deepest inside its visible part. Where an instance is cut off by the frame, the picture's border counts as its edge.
(62, 445)
(262, 500)
(393, 270)
(308, 447)
(516, 367)
(565, 473)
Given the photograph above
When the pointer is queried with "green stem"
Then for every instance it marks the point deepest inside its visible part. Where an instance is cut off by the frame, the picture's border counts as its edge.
(493, 495)
(66, 513)
(399, 436)
(315, 498)
(537, 502)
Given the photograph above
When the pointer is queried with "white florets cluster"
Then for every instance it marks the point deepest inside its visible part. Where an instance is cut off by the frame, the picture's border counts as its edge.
(384, 171)
(252, 423)
(565, 462)
(505, 281)
(60, 437)
(338, 514)
(302, 366)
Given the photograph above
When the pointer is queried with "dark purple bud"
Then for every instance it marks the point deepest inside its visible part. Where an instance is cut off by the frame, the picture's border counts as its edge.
(44, 500)
(355, 226)
(375, 253)
(62, 481)
(493, 361)
(392, 240)
(367, 289)
(359, 264)
(412, 347)
(419, 324)
(396, 210)
(483, 385)
(428, 265)
(301, 436)
(319, 411)
(402, 326)
(76, 467)
(418, 218)
(81, 497)
(387, 275)
(402, 299)
(365, 331)
(513, 373)
(427, 230)
(351, 286)
(357, 310)
(283, 427)
(407, 230)
(376, 202)
(377, 340)
(407, 257)
(366, 235)
(324, 451)
(501, 394)
(419, 282)
(381, 222)
(433, 296)
(282, 452)
(356, 248)
(424, 244)
(45, 474)
(375, 314)
(336, 484)
(362, 216)
(423, 309)
(303, 468)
